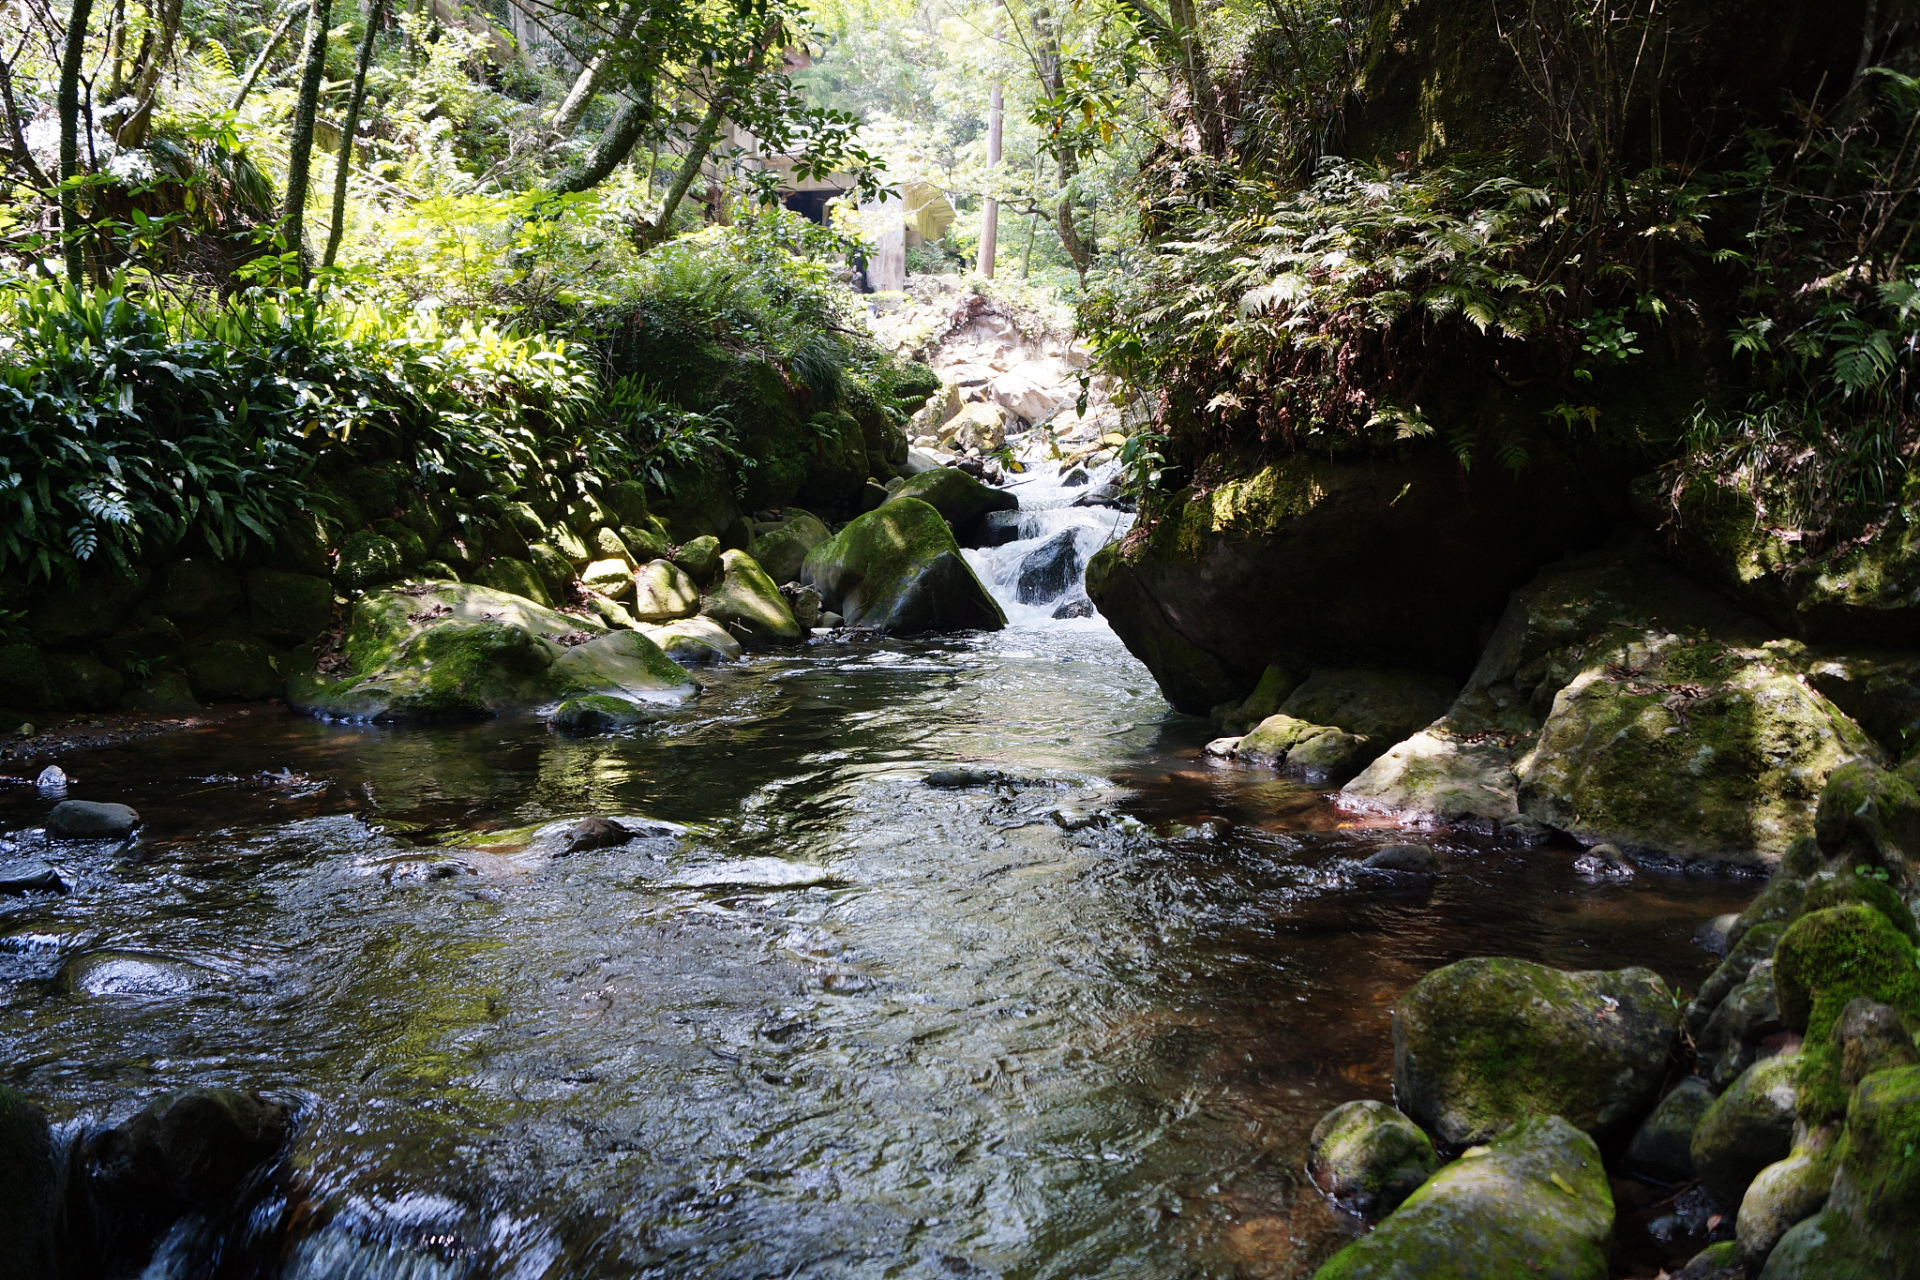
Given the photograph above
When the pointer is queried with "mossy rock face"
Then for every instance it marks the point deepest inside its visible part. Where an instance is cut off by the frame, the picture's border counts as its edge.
(662, 592)
(627, 500)
(459, 651)
(1729, 1043)
(1381, 707)
(198, 593)
(1827, 1246)
(1192, 679)
(1878, 1185)
(553, 569)
(412, 548)
(839, 466)
(464, 553)
(91, 609)
(1534, 1202)
(1272, 689)
(1662, 1147)
(957, 496)
(782, 550)
(1838, 889)
(1787, 1192)
(1755, 944)
(1720, 1261)
(26, 1190)
(571, 546)
(745, 600)
(231, 669)
(24, 681)
(898, 569)
(367, 560)
(700, 502)
(1317, 752)
(83, 682)
(694, 641)
(379, 490)
(1369, 1157)
(418, 515)
(1691, 749)
(515, 577)
(288, 606)
(1486, 1043)
(610, 578)
(1881, 690)
(1747, 1128)
(303, 544)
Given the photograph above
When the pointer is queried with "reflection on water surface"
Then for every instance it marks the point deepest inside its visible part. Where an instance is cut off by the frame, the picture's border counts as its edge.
(845, 1025)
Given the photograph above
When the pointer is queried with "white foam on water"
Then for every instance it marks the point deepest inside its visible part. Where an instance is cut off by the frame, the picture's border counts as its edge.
(1046, 511)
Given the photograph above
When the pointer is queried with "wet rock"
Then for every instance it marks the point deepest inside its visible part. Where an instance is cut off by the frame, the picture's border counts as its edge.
(961, 778)
(1077, 819)
(663, 592)
(699, 558)
(1747, 1128)
(1753, 946)
(1719, 1261)
(598, 713)
(872, 494)
(1603, 862)
(830, 619)
(745, 600)
(694, 641)
(1731, 1040)
(1483, 1044)
(958, 497)
(899, 570)
(26, 1190)
(1273, 688)
(367, 560)
(1871, 817)
(131, 974)
(515, 577)
(1714, 937)
(804, 603)
(1369, 1157)
(52, 781)
(1533, 1202)
(1871, 1037)
(459, 651)
(17, 879)
(1382, 706)
(1316, 752)
(83, 682)
(1662, 1147)
(1077, 608)
(1050, 570)
(594, 833)
(996, 529)
(1074, 478)
(91, 820)
(1407, 859)
(231, 669)
(1109, 494)
(1787, 1192)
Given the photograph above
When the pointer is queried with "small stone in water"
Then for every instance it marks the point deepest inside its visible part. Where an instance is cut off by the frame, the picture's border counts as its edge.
(91, 820)
(18, 878)
(1415, 859)
(594, 833)
(1074, 819)
(53, 779)
(1223, 747)
(1081, 608)
(1605, 862)
(958, 779)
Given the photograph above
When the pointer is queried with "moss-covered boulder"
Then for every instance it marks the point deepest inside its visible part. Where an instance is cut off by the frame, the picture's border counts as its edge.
(367, 560)
(288, 606)
(231, 669)
(1533, 1202)
(898, 569)
(1879, 689)
(662, 592)
(514, 577)
(745, 600)
(1787, 1192)
(611, 578)
(83, 682)
(555, 571)
(459, 651)
(1871, 816)
(958, 497)
(1688, 748)
(1486, 1043)
(1826, 960)
(164, 693)
(781, 547)
(1269, 692)
(571, 546)
(1368, 1157)
(1869, 1229)
(599, 713)
(699, 558)
(1754, 945)
(413, 548)
(1872, 1037)
(1381, 706)
(1747, 1128)
(1730, 1042)
(1662, 1147)
(1315, 752)
(26, 1190)
(694, 641)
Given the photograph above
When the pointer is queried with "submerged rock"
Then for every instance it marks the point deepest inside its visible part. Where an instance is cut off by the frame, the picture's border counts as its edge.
(1369, 1157)
(594, 833)
(17, 879)
(599, 713)
(1486, 1043)
(91, 820)
(459, 651)
(1406, 859)
(132, 974)
(1533, 1202)
(898, 569)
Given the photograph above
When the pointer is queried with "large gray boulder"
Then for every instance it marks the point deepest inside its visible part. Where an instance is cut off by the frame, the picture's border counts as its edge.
(898, 569)
(1486, 1043)
(1533, 1202)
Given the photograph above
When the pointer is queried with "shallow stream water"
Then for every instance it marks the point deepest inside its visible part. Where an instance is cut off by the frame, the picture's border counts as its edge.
(847, 1024)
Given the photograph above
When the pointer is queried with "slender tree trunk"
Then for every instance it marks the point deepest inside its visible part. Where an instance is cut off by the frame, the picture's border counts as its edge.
(616, 144)
(690, 164)
(68, 105)
(146, 78)
(313, 61)
(15, 138)
(356, 99)
(274, 38)
(587, 83)
(990, 215)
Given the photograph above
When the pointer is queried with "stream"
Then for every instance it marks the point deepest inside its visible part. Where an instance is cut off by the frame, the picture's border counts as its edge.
(828, 1020)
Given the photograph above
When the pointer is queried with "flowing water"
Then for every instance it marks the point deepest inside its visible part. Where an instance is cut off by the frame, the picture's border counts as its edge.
(832, 1022)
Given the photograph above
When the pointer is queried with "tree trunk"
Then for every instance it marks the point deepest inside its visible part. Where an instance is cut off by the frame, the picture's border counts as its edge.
(146, 78)
(356, 99)
(690, 165)
(616, 144)
(313, 60)
(15, 138)
(68, 106)
(274, 38)
(587, 83)
(990, 216)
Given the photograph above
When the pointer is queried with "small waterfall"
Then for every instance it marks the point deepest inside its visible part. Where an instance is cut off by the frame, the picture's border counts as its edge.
(1040, 578)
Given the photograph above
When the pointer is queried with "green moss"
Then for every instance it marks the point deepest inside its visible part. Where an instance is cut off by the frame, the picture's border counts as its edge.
(597, 713)
(1870, 814)
(377, 490)
(745, 599)
(627, 499)
(1826, 959)
(1834, 889)
(897, 568)
(957, 496)
(367, 560)
(1880, 1156)
(516, 577)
